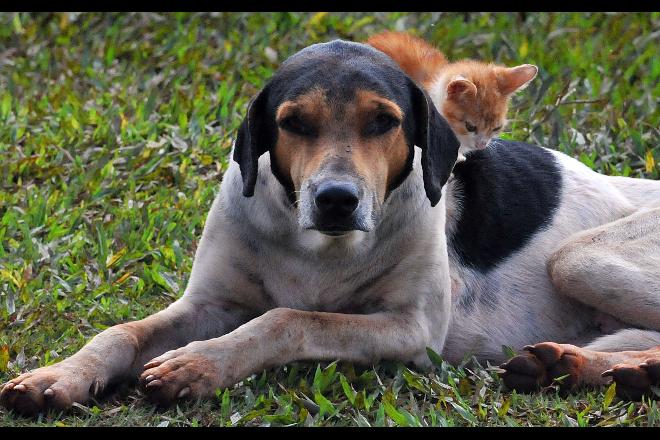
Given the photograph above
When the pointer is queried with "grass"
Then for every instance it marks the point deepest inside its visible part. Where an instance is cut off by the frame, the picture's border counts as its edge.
(114, 134)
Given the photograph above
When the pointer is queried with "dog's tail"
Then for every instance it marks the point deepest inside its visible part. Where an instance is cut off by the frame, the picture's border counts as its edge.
(415, 56)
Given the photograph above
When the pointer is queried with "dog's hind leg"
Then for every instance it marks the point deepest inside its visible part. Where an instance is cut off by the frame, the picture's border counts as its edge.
(595, 364)
(614, 268)
(633, 378)
(115, 354)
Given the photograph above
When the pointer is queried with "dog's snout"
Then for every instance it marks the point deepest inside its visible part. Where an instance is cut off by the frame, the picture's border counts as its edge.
(337, 199)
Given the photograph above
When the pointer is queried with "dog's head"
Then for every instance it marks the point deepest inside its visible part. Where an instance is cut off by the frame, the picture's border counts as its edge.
(340, 121)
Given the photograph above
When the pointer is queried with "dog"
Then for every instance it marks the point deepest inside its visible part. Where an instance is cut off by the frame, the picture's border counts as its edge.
(335, 235)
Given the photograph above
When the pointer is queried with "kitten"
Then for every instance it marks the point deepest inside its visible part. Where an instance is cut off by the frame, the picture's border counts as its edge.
(473, 96)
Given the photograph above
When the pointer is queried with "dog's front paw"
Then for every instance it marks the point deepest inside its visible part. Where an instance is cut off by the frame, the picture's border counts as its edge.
(56, 386)
(635, 381)
(542, 364)
(189, 372)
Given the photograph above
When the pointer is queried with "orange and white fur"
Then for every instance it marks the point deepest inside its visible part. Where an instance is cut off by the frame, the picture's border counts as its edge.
(473, 96)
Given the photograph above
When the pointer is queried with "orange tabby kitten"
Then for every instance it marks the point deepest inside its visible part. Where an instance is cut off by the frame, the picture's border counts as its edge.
(472, 96)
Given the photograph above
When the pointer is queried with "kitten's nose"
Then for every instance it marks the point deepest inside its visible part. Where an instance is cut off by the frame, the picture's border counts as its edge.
(481, 144)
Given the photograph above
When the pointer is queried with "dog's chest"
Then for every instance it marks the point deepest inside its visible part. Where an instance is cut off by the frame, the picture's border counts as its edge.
(307, 286)
(296, 286)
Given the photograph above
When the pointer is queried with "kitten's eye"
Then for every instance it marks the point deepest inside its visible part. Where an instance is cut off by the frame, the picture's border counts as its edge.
(469, 127)
(381, 124)
(497, 128)
(296, 125)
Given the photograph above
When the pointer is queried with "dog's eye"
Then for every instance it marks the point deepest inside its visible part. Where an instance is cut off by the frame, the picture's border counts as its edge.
(469, 127)
(497, 128)
(296, 125)
(381, 124)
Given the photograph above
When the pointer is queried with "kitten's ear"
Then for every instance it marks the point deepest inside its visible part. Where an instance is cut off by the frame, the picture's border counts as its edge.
(512, 79)
(255, 137)
(436, 139)
(459, 87)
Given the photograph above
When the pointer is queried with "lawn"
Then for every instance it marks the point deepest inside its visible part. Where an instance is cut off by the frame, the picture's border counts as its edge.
(115, 131)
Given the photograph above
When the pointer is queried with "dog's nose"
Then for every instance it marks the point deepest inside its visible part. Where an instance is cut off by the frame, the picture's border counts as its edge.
(337, 199)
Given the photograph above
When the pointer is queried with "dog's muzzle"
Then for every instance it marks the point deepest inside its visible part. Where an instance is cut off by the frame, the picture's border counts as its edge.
(336, 207)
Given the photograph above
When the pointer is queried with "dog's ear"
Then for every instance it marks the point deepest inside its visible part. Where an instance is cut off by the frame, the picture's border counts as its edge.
(436, 139)
(255, 137)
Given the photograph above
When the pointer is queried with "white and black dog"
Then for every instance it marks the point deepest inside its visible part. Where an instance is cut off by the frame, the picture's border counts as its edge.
(335, 235)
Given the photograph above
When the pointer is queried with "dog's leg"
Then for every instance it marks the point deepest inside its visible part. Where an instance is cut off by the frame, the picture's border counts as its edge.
(280, 336)
(633, 379)
(614, 268)
(115, 354)
(633, 371)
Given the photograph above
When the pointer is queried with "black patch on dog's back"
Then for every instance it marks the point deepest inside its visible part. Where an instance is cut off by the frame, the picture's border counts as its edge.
(509, 192)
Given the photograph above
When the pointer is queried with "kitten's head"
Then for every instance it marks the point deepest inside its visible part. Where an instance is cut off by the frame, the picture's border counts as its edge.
(474, 98)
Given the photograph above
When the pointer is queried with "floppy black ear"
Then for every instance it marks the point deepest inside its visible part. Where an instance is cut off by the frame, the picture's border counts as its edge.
(255, 137)
(438, 143)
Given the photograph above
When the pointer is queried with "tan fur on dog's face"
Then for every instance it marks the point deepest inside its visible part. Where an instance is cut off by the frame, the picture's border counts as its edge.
(316, 133)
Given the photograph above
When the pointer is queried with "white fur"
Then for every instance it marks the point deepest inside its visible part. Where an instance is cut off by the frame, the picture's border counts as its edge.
(528, 308)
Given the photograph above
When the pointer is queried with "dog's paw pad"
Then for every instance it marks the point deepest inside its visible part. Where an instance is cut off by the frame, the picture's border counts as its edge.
(635, 381)
(524, 373)
(542, 364)
(45, 388)
(652, 367)
(183, 376)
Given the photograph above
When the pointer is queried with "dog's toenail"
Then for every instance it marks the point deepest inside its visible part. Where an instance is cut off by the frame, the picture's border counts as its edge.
(95, 387)
(49, 392)
(20, 387)
(607, 373)
(154, 383)
(149, 378)
(9, 386)
(643, 365)
(184, 392)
